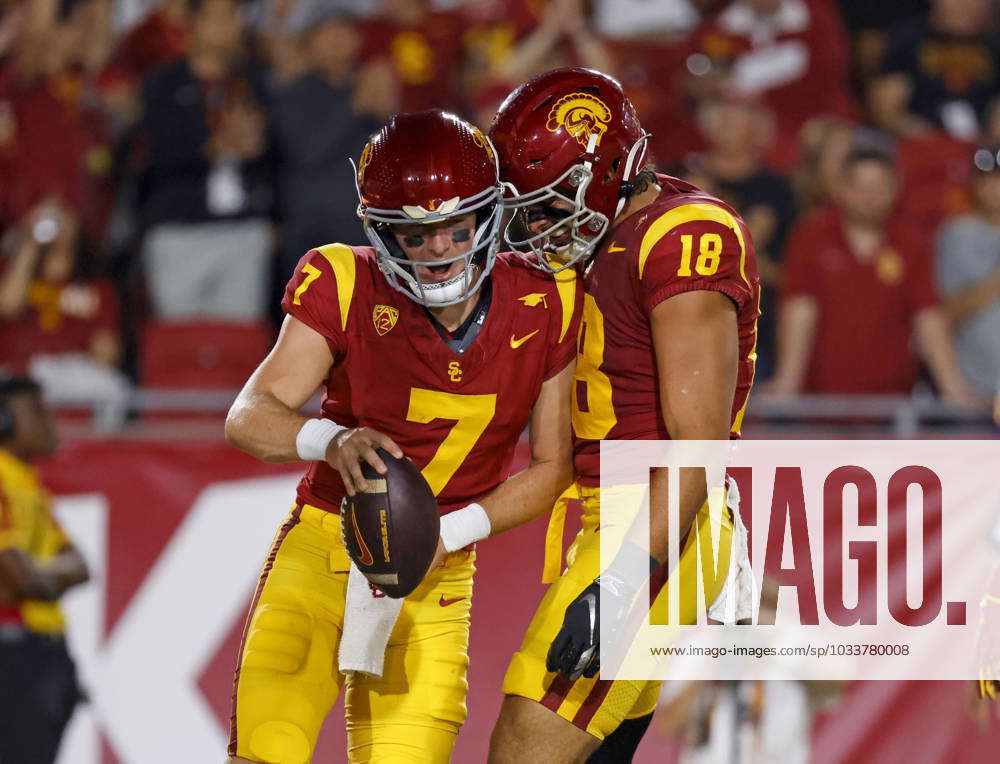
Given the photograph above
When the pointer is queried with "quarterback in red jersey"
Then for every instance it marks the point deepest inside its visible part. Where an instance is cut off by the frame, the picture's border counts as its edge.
(432, 346)
(666, 350)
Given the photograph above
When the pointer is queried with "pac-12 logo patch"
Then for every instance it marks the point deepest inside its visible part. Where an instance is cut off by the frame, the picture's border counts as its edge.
(581, 115)
(384, 317)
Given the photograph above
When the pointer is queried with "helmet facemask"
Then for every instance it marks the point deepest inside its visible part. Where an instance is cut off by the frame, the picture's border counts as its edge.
(583, 226)
(401, 271)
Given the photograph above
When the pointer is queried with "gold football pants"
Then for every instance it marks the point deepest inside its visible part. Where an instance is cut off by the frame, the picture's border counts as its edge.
(287, 679)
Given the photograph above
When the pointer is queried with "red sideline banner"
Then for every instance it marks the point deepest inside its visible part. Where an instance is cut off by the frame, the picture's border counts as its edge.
(175, 534)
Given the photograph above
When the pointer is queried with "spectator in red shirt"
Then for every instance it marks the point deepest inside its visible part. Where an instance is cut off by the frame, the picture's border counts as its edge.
(55, 324)
(857, 288)
(424, 48)
(823, 144)
(791, 53)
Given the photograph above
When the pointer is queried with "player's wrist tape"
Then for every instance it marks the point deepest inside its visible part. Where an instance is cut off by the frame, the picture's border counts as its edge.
(629, 570)
(314, 437)
(464, 526)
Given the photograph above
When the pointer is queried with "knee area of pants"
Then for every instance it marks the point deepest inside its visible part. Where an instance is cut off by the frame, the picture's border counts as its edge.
(280, 743)
(278, 640)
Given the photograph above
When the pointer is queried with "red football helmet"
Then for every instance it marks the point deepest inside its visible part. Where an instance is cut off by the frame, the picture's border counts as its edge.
(568, 135)
(428, 167)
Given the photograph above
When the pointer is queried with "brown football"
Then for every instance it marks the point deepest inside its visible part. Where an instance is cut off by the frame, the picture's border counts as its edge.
(391, 530)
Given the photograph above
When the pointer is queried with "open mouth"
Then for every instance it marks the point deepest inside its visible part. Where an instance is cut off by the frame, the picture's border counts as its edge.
(435, 274)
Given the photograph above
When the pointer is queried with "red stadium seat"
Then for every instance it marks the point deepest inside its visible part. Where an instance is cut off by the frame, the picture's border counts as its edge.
(202, 354)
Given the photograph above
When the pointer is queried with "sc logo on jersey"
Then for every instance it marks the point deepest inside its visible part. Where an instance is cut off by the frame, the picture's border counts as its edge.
(454, 371)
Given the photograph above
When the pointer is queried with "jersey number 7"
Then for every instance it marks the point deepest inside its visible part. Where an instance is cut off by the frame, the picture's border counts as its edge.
(472, 415)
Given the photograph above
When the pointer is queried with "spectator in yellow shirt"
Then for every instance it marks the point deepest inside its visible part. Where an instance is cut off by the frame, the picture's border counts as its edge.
(37, 564)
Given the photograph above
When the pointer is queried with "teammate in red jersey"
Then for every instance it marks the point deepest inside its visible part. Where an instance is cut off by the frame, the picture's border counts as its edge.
(667, 350)
(432, 346)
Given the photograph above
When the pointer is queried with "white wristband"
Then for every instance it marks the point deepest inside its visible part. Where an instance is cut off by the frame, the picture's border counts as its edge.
(464, 526)
(314, 437)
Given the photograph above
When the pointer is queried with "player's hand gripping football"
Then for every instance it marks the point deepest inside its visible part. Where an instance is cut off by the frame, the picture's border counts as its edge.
(576, 650)
(351, 447)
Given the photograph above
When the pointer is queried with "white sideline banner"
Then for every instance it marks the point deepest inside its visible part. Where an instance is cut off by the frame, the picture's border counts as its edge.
(884, 556)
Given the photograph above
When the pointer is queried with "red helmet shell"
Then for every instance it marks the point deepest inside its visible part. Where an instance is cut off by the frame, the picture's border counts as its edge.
(423, 160)
(545, 127)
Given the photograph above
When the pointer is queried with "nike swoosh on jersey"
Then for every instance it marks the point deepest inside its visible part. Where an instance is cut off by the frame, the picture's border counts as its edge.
(612, 247)
(516, 343)
(444, 603)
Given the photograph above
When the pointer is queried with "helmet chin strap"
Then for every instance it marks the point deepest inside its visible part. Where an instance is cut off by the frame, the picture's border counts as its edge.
(634, 160)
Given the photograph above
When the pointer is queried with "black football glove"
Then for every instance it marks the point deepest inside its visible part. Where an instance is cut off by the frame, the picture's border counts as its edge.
(576, 650)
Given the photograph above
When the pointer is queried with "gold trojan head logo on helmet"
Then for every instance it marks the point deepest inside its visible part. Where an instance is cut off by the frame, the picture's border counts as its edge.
(581, 115)
(480, 140)
(364, 160)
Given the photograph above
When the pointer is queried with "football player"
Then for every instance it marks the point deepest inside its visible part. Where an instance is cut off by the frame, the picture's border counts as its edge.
(429, 345)
(667, 350)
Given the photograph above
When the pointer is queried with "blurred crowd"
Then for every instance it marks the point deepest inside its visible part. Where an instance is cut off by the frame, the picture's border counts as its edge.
(168, 162)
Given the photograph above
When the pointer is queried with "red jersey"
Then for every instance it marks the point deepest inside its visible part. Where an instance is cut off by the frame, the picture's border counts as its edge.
(58, 318)
(457, 416)
(866, 307)
(425, 58)
(684, 241)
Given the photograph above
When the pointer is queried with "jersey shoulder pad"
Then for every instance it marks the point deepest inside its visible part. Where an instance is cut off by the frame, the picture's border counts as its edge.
(326, 283)
(692, 236)
(561, 292)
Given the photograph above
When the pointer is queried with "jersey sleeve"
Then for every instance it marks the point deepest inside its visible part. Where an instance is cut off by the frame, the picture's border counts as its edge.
(694, 247)
(320, 292)
(562, 348)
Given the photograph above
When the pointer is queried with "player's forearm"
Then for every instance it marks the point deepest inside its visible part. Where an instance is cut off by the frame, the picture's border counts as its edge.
(691, 497)
(526, 495)
(260, 424)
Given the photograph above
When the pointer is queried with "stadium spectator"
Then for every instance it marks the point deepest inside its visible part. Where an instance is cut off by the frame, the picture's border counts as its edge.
(42, 141)
(627, 19)
(56, 324)
(938, 71)
(207, 189)
(968, 273)
(424, 48)
(157, 40)
(857, 287)
(738, 133)
(38, 563)
(824, 142)
(318, 121)
(791, 53)
(563, 38)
